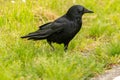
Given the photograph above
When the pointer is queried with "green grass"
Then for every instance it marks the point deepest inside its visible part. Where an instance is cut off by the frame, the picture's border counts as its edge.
(95, 48)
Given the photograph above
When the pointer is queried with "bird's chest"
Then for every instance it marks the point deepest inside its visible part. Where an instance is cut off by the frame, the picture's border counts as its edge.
(73, 29)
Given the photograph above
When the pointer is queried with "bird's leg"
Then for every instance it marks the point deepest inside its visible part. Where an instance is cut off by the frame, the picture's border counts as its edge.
(51, 45)
(65, 47)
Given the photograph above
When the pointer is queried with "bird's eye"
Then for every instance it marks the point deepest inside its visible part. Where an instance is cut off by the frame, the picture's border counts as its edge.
(79, 11)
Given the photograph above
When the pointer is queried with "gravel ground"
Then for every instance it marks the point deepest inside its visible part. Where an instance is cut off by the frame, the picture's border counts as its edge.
(112, 74)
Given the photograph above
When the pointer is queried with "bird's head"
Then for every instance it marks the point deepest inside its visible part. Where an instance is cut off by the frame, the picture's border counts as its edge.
(77, 11)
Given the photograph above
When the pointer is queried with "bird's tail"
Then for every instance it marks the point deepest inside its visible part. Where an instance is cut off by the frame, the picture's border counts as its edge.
(38, 35)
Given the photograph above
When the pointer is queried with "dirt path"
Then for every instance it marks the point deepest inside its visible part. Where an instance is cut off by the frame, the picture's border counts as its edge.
(112, 74)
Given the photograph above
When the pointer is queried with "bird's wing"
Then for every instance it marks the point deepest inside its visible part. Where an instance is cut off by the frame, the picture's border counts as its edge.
(47, 25)
(46, 30)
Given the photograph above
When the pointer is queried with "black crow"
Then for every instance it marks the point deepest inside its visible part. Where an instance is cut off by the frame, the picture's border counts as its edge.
(63, 29)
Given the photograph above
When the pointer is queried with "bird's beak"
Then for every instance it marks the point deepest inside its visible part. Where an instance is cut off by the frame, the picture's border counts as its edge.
(88, 11)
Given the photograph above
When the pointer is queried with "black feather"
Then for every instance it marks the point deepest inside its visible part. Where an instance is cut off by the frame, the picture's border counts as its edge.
(63, 29)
